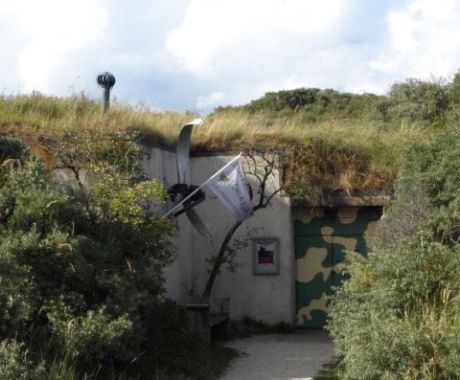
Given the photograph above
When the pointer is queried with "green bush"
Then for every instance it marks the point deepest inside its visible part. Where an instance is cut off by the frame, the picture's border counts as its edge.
(15, 364)
(81, 285)
(398, 315)
(425, 103)
(315, 104)
(413, 100)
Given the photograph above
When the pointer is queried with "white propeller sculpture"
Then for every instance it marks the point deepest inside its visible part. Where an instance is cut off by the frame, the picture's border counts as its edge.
(180, 190)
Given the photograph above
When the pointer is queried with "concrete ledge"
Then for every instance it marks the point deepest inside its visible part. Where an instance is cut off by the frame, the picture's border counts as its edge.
(205, 313)
(350, 201)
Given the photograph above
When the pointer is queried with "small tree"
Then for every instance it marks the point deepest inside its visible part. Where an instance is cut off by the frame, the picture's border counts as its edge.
(262, 167)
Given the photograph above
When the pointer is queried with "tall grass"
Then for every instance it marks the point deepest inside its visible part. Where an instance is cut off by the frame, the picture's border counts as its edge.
(340, 141)
(38, 114)
(332, 155)
(43, 114)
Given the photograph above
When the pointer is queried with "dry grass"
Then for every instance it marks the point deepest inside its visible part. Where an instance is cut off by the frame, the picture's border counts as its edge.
(37, 114)
(347, 156)
(350, 157)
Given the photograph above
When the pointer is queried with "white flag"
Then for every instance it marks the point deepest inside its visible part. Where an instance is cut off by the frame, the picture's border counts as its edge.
(230, 186)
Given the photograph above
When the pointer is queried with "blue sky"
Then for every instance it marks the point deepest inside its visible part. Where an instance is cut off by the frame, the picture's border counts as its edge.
(198, 54)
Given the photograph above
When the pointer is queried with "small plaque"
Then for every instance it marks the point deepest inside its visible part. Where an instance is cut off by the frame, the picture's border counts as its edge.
(265, 255)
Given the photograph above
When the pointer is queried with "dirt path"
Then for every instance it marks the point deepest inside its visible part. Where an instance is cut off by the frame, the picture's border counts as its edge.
(297, 356)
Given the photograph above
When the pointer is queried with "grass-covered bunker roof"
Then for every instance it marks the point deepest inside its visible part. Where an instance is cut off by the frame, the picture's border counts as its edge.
(333, 143)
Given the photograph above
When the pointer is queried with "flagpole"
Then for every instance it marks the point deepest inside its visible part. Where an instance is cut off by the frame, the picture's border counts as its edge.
(203, 184)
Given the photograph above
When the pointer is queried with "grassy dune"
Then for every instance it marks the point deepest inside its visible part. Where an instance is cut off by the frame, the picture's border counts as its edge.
(331, 155)
(37, 114)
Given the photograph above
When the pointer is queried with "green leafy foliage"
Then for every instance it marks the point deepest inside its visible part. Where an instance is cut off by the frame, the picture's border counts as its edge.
(414, 100)
(89, 336)
(315, 104)
(398, 315)
(15, 364)
(81, 284)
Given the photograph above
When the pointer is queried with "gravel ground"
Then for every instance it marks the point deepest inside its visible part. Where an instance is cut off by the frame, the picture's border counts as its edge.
(297, 356)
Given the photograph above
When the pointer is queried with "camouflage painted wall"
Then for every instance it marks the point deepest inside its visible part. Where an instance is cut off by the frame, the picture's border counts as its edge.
(322, 237)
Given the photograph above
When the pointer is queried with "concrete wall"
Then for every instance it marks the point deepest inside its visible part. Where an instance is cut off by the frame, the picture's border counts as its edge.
(269, 298)
(161, 164)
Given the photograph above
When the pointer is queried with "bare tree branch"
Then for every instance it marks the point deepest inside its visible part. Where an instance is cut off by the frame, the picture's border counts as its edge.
(262, 175)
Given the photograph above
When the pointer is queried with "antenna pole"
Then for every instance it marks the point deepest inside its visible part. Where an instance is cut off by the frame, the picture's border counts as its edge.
(105, 80)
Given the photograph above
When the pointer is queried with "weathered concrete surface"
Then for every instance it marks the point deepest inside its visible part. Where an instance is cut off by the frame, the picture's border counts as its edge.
(297, 356)
(267, 298)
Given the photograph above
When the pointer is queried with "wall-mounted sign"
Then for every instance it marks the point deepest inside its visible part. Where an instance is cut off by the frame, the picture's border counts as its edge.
(265, 253)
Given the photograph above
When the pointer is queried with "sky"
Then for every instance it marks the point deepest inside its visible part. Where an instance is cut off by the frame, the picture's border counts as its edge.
(195, 55)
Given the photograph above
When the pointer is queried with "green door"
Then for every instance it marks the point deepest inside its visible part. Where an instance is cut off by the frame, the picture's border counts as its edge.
(322, 237)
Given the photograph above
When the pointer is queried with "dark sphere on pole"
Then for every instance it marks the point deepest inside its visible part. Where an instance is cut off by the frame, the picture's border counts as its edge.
(106, 80)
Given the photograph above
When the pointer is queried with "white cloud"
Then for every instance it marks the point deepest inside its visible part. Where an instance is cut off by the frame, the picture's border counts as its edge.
(244, 49)
(211, 100)
(52, 29)
(216, 30)
(58, 47)
(198, 54)
(425, 40)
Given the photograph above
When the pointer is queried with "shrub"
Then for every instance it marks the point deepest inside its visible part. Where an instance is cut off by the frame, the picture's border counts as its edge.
(15, 364)
(315, 104)
(413, 100)
(398, 315)
(81, 272)
(88, 337)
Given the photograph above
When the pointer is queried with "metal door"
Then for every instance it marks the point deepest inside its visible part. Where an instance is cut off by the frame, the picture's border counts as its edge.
(322, 237)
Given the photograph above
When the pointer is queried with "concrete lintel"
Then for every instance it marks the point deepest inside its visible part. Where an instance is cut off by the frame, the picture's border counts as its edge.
(347, 201)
